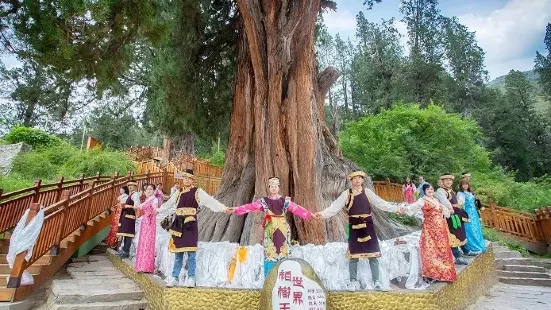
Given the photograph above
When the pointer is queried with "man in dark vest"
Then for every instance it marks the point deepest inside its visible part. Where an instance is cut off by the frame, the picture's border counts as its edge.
(458, 217)
(362, 240)
(184, 228)
(127, 220)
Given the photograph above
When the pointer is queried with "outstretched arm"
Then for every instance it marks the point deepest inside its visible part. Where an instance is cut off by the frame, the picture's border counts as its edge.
(413, 208)
(298, 210)
(250, 207)
(379, 203)
(335, 206)
(208, 201)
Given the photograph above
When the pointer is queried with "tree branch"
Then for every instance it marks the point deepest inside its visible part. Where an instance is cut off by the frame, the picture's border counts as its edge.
(327, 4)
(326, 79)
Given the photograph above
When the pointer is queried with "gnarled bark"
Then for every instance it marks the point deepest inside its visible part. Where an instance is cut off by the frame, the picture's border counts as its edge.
(277, 128)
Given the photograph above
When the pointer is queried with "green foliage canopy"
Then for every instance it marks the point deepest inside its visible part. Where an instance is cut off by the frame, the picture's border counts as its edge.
(31, 136)
(408, 140)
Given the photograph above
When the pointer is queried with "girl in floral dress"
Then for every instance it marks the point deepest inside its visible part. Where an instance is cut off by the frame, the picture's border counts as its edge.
(436, 254)
(112, 240)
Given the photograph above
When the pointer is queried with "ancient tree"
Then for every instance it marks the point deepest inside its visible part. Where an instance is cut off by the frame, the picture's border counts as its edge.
(277, 126)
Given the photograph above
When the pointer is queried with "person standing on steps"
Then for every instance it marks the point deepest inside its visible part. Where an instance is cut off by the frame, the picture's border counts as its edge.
(145, 250)
(112, 240)
(458, 217)
(277, 233)
(362, 240)
(127, 221)
(473, 229)
(184, 230)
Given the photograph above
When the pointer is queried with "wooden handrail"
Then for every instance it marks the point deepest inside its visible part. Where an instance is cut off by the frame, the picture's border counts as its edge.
(14, 204)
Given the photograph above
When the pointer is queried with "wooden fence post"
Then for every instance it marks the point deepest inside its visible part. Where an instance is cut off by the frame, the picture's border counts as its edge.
(63, 210)
(147, 177)
(493, 215)
(113, 182)
(88, 205)
(98, 177)
(36, 186)
(20, 263)
(81, 182)
(59, 189)
(1, 192)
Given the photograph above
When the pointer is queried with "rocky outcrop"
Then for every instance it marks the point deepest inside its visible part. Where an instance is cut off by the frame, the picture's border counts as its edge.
(8, 153)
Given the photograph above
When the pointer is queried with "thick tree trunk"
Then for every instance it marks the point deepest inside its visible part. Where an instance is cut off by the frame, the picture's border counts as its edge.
(278, 129)
(183, 144)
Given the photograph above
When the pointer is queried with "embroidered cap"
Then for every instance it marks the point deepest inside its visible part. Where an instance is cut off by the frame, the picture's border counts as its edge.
(188, 173)
(465, 175)
(447, 176)
(356, 174)
(273, 181)
(132, 183)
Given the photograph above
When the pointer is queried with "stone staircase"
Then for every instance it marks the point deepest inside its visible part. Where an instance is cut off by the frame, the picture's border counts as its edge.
(512, 268)
(95, 284)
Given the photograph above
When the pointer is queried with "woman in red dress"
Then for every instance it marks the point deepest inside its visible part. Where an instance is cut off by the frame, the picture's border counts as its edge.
(436, 254)
(112, 240)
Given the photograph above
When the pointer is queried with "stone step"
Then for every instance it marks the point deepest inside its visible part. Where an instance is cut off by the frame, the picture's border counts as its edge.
(507, 254)
(115, 305)
(524, 268)
(500, 248)
(543, 264)
(526, 281)
(95, 291)
(522, 274)
(500, 262)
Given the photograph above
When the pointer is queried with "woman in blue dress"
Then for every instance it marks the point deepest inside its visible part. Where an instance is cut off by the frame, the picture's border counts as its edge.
(473, 228)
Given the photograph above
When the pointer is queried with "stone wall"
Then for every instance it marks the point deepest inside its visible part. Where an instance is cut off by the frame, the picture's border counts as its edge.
(8, 153)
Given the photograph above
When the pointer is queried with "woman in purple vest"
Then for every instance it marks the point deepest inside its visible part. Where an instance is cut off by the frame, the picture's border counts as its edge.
(127, 221)
(362, 240)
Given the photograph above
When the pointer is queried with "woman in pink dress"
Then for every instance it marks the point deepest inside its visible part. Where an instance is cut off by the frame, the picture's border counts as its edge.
(408, 190)
(145, 251)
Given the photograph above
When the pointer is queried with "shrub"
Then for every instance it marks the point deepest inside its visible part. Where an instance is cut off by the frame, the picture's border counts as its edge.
(31, 136)
(93, 161)
(217, 158)
(409, 141)
(33, 165)
(14, 182)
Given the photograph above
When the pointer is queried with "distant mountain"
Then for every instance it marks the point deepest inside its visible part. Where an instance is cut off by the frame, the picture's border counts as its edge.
(532, 76)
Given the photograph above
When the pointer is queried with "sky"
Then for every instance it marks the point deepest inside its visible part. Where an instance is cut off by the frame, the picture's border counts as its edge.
(509, 31)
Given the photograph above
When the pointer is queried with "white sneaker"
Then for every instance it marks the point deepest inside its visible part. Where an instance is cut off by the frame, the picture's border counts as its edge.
(353, 286)
(190, 282)
(379, 287)
(171, 282)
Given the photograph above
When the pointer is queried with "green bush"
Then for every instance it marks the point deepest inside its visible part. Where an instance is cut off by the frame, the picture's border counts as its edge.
(31, 136)
(410, 141)
(14, 182)
(217, 158)
(502, 188)
(33, 165)
(93, 161)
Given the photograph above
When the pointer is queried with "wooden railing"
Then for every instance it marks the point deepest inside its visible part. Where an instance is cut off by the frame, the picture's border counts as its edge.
(522, 225)
(389, 191)
(14, 204)
(70, 213)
